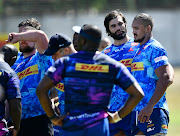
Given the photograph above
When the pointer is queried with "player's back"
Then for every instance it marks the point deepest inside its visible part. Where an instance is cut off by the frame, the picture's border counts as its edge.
(88, 81)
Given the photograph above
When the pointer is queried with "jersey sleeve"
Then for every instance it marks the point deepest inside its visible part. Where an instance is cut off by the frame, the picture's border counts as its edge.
(13, 87)
(157, 56)
(55, 72)
(44, 62)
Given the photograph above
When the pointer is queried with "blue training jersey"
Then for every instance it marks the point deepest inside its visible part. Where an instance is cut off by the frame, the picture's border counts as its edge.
(9, 86)
(123, 53)
(30, 72)
(18, 60)
(60, 91)
(88, 80)
(149, 57)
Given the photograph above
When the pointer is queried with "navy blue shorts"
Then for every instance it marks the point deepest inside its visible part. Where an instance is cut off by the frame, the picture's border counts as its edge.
(158, 123)
(101, 129)
(57, 130)
(124, 125)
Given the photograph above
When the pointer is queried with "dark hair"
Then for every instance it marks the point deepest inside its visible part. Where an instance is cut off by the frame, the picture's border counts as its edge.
(146, 19)
(31, 22)
(111, 15)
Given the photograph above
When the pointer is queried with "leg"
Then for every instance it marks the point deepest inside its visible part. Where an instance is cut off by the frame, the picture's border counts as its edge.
(140, 133)
(121, 133)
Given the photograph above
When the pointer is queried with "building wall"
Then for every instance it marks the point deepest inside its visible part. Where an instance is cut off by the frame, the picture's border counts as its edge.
(166, 29)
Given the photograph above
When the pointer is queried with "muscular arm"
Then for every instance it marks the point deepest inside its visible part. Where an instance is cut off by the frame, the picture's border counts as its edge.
(15, 112)
(37, 36)
(135, 95)
(165, 74)
(42, 92)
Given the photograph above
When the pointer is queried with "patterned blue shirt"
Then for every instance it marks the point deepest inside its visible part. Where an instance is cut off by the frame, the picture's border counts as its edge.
(9, 86)
(18, 60)
(123, 53)
(149, 57)
(88, 81)
(30, 71)
(60, 91)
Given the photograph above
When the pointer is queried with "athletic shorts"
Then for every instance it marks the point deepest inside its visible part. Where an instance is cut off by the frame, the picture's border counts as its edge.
(124, 125)
(101, 129)
(36, 126)
(57, 130)
(158, 123)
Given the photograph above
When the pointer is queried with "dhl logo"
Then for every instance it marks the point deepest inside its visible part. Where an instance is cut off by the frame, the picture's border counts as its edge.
(60, 87)
(137, 66)
(28, 71)
(92, 68)
(127, 62)
(0, 73)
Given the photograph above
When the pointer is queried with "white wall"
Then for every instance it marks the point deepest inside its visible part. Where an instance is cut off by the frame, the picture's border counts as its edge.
(166, 29)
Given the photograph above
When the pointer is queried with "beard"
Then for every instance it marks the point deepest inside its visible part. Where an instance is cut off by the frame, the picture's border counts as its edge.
(26, 49)
(118, 36)
(139, 40)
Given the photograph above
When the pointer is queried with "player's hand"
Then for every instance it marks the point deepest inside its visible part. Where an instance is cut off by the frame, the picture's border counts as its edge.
(55, 104)
(145, 114)
(12, 131)
(12, 38)
(58, 121)
(110, 117)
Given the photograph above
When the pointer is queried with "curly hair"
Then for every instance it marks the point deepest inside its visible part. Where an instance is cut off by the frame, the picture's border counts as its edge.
(111, 15)
(31, 22)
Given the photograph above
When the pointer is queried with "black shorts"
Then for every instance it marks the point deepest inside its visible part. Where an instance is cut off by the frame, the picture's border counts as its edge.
(36, 126)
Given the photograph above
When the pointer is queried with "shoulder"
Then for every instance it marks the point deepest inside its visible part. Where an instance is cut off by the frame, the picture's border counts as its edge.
(154, 44)
(107, 49)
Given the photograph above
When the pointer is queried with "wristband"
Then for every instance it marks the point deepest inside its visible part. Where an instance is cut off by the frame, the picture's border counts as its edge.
(52, 117)
(116, 117)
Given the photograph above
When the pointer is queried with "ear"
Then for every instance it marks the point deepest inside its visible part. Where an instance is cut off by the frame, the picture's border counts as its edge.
(148, 29)
(12, 60)
(83, 41)
(66, 50)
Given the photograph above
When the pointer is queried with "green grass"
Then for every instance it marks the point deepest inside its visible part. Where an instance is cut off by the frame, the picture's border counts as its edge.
(173, 99)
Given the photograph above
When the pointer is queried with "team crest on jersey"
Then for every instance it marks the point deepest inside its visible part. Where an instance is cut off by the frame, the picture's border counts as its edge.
(92, 68)
(131, 49)
(127, 62)
(60, 87)
(137, 66)
(28, 71)
(107, 51)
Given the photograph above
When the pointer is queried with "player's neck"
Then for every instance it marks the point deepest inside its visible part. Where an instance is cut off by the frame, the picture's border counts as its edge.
(27, 54)
(122, 41)
(146, 39)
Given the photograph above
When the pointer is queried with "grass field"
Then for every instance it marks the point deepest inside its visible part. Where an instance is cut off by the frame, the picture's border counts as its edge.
(173, 98)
